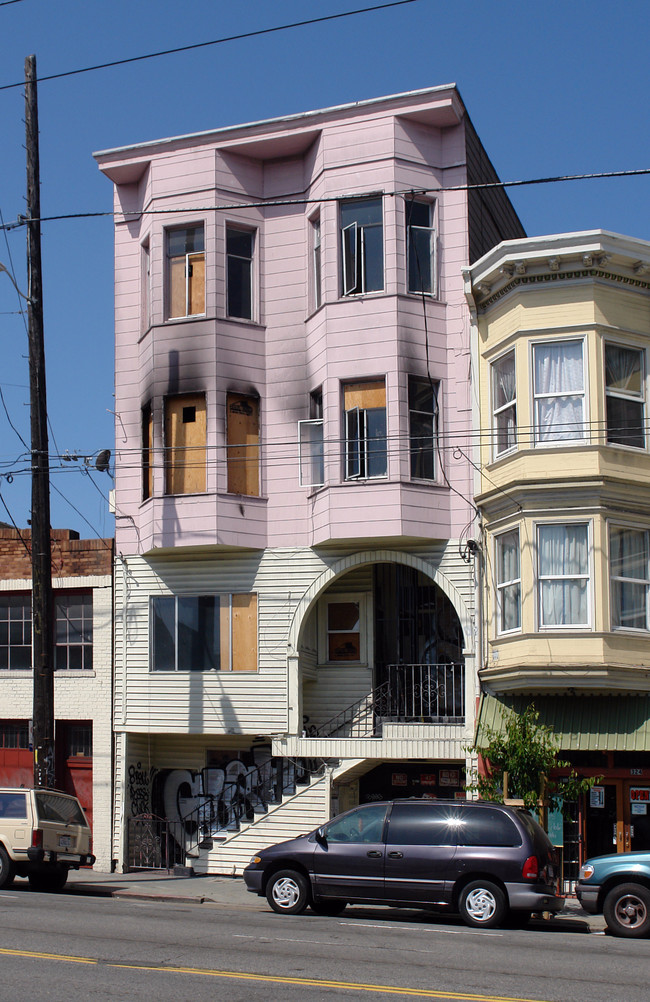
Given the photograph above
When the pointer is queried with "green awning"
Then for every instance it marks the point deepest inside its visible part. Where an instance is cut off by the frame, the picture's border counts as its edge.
(582, 723)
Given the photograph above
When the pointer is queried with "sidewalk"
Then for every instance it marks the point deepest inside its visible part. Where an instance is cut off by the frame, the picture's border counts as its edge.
(159, 885)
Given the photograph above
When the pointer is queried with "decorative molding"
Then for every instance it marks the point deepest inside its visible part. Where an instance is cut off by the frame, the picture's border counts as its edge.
(557, 276)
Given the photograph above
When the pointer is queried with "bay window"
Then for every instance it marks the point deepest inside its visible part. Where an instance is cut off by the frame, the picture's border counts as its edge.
(558, 391)
(508, 582)
(186, 272)
(362, 240)
(563, 574)
(625, 395)
(364, 415)
(629, 556)
(420, 247)
(504, 404)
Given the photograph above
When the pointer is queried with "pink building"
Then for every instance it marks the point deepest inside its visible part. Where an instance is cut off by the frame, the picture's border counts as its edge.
(294, 585)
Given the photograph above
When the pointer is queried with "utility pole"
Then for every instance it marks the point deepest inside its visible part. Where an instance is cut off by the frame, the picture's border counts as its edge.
(42, 609)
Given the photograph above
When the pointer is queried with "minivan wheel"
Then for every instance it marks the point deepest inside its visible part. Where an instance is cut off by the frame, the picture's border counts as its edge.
(482, 904)
(7, 871)
(627, 910)
(287, 892)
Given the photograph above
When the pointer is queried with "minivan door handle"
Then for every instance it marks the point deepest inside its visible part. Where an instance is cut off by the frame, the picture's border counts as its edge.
(374, 853)
(396, 855)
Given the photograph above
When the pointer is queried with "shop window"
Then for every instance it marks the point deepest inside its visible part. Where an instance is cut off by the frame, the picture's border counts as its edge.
(73, 642)
(310, 444)
(185, 444)
(420, 247)
(362, 246)
(203, 633)
(625, 396)
(15, 631)
(504, 405)
(423, 407)
(364, 416)
(239, 272)
(14, 734)
(559, 392)
(186, 272)
(243, 444)
(563, 574)
(629, 557)
(508, 582)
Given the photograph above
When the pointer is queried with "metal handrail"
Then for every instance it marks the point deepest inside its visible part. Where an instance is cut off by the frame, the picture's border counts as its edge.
(360, 719)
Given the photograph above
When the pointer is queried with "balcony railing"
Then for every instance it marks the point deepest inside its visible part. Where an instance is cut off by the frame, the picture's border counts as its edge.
(421, 693)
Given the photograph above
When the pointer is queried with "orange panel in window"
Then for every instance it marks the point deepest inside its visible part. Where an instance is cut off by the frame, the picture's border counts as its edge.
(185, 444)
(243, 431)
(244, 632)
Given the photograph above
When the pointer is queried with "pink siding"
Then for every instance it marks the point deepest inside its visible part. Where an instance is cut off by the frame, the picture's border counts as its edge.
(399, 144)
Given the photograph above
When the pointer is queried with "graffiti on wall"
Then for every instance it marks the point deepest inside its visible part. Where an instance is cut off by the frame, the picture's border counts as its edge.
(139, 788)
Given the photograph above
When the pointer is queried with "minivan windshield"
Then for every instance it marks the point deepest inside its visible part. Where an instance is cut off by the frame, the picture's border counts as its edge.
(55, 807)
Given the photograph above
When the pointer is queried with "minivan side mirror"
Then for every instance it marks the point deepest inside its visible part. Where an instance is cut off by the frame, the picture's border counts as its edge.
(321, 836)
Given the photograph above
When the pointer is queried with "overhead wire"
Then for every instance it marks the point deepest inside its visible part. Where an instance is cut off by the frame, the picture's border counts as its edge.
(216, 41)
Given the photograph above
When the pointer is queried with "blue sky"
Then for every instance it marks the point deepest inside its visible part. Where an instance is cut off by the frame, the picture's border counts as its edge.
(552, 89)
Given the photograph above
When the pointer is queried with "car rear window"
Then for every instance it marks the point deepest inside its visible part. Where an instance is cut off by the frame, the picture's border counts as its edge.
(487, 826)
(54, 807)
(13, 805)
(423, 824)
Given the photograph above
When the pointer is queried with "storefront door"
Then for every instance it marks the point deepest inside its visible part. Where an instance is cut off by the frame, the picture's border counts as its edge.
(617, 817)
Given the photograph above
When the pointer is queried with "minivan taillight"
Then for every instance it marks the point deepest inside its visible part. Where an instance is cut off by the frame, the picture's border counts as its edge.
(530, 870)
(37, 838)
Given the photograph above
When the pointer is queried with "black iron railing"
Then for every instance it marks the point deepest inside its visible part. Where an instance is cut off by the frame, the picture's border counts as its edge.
(411, 694)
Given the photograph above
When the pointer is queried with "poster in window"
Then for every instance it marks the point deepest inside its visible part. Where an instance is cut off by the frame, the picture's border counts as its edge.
(597, 796)
(399, 779)
(449, 777)
(428, 779)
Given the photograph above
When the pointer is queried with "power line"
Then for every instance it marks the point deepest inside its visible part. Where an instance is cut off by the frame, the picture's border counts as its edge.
(215, 41)
(273, 203)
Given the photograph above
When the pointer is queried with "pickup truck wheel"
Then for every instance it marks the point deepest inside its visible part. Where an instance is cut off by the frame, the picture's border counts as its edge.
(482, 904)
(287, 892)
(7, 872)
(53, 879)
(627, 910)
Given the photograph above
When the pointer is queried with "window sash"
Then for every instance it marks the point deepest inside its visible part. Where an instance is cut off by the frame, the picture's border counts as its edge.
(629, 555)
(240, 247)
(558, 392)
(362, 247)
(625, 395)
(186, 272)
(508, 582)
(190, 633)
(316, 262)
(563, 576)
(310, 453)
(504, 404)
(422, 428)
(16, 632)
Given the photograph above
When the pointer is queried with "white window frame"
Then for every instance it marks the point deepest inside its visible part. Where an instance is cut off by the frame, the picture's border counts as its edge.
(310, 453)
(316, 238)
(626, 579)
(253, 232)
(353, 249)
(362, 599)
(188, 265)
(433, 237)
(538, 397)
(498, 411)
(612, 393)
(502, 587)
(588, 577)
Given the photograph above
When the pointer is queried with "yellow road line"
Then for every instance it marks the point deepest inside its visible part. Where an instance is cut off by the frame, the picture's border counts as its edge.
(427, 993)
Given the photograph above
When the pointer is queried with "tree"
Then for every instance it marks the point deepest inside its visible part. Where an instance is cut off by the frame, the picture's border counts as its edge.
(521, 758)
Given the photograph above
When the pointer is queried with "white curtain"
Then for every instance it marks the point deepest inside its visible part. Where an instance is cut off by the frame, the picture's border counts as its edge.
(564, 575)
(504, 390)
(629, 559)
(559, 391)
(510, 592)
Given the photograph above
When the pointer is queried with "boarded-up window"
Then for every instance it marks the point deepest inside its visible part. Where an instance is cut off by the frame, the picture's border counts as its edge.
(186, 266)
(147, 451)
(364, 414)
(185, 444)
(203, 633)
(243, 438)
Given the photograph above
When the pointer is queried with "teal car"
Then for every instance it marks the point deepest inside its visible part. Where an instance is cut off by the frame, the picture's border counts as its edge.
(618, 887)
